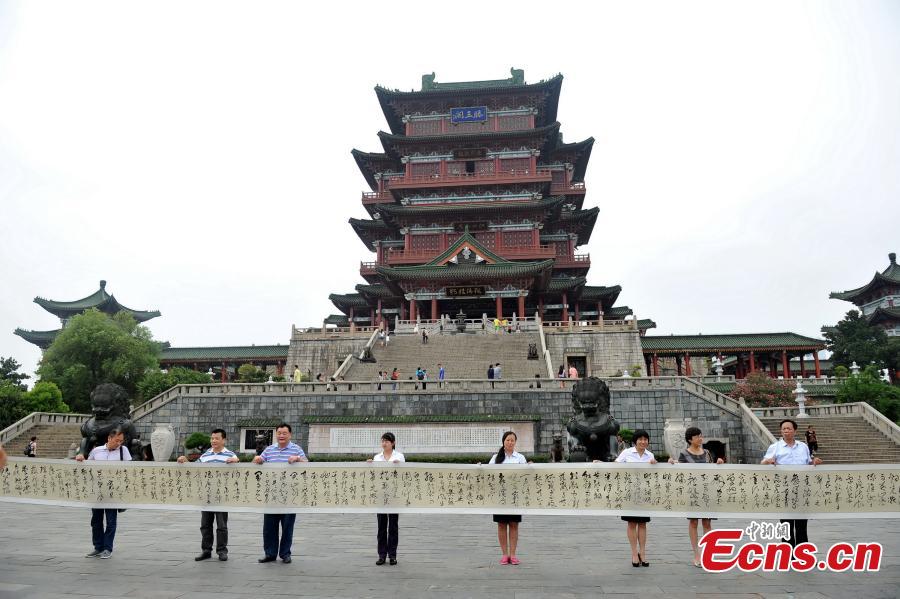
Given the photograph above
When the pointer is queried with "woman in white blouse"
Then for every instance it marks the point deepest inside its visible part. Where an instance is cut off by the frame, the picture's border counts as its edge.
(388, 527)
(508, 525)
(637, 525)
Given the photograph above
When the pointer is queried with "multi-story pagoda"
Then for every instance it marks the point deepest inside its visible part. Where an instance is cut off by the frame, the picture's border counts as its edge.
(476, 204)
(100, 300)
(879, 299)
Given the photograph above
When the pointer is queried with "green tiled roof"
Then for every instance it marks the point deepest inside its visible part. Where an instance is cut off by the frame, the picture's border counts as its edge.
(238, 352)
(884, 315)
(595, 292)
(890, 276)
(100, 300)
(646, 323)
(581, 221)
(714, 343)
(560, 284)
(258, 422)
(348, 300)
(463, 91)
(369, 230)
(42, 339)
(618, 313)
(582, 151)
(370, 163)
(337, 319)
(423, 418)
(483, 272)
(375, 291)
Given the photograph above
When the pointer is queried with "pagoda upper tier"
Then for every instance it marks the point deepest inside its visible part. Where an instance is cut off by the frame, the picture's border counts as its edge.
(475, 201)
(879, 299)
(99, 300)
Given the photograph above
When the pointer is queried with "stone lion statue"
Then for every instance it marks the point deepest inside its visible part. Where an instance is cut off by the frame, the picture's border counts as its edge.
(111, 408)
(592, 430)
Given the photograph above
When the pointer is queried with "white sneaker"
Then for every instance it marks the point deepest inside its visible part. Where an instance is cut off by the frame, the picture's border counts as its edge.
(105, 554)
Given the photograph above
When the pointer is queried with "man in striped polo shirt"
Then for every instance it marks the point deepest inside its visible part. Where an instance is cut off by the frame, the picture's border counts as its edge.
(216, 454)
(282, 451)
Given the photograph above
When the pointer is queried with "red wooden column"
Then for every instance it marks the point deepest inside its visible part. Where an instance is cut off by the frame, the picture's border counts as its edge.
(402, 310)
(818, 366)
(655, 364)
(803, 366)
(739, 367)
(599, 311)
(577, 311)
(565, 307)
(224, 376)
(521, 306)
(773, 371)
(378, 312)
(372, 317)
(678, 364)
(499, 305)
(351, 318)
(687, 362)
(785, 364)
(434, 308)
(541, 307)
(412, 309)
(752, 363)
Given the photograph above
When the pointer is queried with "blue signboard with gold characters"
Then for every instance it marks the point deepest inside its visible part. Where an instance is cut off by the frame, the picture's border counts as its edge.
(468, 114)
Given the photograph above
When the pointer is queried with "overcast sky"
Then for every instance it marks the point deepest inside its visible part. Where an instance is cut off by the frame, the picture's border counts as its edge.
(196, 155)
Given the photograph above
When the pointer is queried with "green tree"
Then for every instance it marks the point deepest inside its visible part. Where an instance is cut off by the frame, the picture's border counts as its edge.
(11, 409)
(248, 373)
(853, 339)
(762, 391)
(95, 348)
(44, 397)
(9, 371)
(867, 387)
(156, 382)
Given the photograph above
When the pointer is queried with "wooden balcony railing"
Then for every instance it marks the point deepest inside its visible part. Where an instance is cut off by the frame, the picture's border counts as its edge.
(576, 261)
(564, 188)
(541, 252)
(367, 268)
(376, 197)
(435, 180)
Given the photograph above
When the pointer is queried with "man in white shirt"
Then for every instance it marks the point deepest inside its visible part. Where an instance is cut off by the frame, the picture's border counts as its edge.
(216, 454)
(789, 451)
(114, 450)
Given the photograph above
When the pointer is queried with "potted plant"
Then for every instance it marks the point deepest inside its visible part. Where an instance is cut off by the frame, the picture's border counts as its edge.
(195, 445)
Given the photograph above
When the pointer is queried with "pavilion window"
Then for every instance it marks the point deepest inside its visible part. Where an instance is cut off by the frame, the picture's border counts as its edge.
(470, 167)
(425, 127)
(514, 122)
(426, 242)
(484, 167)
(456, 168)
(515, 165)
(426, 169)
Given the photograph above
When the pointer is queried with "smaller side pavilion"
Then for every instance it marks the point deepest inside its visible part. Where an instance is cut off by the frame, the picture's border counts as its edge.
(99, 300)
(879, 299)
(755, 352)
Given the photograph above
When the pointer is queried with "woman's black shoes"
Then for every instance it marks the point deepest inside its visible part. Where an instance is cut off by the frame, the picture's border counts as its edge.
(393, 561)
(643, 563)
(380, 561)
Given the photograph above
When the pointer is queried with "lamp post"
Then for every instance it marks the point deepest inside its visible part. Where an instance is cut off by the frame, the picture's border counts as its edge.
(800, 398)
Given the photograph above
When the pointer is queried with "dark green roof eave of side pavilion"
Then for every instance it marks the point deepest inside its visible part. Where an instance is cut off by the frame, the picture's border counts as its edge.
(432, 89)
(737, 341)
(42, 339)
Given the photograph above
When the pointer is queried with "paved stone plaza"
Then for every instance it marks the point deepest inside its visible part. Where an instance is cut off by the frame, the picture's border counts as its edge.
(41, 551)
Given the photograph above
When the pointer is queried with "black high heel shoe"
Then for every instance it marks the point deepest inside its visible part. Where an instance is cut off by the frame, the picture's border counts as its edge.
(643, 563)
(636, 564)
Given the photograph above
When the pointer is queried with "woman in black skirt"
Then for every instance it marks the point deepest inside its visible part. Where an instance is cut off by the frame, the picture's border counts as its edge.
(508, 526)
(695, 454)
(637, 525)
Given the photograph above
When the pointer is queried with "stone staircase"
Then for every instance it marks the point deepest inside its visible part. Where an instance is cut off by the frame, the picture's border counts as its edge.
(464, 356)
(53, 440)
(844, 439)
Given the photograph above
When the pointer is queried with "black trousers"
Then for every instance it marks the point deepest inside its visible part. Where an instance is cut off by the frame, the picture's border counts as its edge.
(387, 535)
(798, 532)
(206, 531)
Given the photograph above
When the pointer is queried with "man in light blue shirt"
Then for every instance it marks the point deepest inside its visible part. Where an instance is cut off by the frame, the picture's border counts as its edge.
(283, 451)
(103, 538)
(789, 451)
(216, 454)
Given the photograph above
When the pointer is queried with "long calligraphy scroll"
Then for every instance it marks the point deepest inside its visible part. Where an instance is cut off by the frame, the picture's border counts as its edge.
(854, 491)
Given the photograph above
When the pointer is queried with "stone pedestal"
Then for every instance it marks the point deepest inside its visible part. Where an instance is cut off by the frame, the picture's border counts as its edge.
(673, 436)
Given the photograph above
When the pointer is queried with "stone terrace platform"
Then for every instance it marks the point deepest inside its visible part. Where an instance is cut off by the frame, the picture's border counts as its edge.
(451, 557)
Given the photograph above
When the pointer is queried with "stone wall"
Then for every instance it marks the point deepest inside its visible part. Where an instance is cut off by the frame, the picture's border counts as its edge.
(322, 353)
(633, 408)
(606, 351)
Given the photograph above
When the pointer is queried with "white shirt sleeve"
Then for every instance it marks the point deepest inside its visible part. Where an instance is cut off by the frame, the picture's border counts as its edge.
(770, 452)
(621, 457)
(493, 459)
(126, 454)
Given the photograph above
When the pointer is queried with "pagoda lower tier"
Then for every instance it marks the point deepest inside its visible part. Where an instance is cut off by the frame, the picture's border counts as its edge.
(470, 278)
